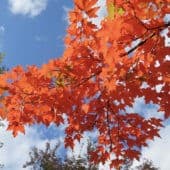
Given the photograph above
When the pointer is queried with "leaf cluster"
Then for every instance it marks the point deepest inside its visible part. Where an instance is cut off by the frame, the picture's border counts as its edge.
(101, 73)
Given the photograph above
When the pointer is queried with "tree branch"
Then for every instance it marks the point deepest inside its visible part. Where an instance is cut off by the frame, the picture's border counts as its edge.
(138, 45)
(157, 28)
(109, 128)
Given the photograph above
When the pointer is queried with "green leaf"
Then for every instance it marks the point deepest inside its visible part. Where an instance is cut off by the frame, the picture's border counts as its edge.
(2, 55)
(121, 11)
(112, 10)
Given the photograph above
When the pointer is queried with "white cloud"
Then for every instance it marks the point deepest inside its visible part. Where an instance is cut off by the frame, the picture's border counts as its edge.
(30, 8)
(157, 151)
(14, 152)
(146, 110)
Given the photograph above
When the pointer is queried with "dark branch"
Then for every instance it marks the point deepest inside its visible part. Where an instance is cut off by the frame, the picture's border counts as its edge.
(156, 28)
(138, 45)
(108, 124)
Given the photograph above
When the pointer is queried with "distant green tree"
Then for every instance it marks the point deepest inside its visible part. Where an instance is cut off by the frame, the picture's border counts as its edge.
(44, 159)
(147, 165)
(2, 68)
(80, 163)
(48, 160)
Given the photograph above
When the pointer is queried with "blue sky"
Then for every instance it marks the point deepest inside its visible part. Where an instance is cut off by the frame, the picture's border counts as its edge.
(28, 39)
(32, 32)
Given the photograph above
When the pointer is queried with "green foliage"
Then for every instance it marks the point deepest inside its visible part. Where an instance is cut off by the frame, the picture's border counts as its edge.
(2, 55)
(2, 68)
(146, 165)
(49, 160)
(44, 159)
(112, 10)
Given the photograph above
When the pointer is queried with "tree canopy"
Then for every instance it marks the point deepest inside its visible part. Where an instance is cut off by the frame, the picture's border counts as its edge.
(102, 71)
(48, 159)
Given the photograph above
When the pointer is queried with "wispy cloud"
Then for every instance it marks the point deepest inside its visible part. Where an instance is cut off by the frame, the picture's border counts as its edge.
(30, 8)
(39, 38)
(2, 29)
(65, 15)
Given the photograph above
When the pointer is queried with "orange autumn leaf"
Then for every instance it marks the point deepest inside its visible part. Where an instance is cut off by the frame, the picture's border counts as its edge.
(85, 108)
(102, 71)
